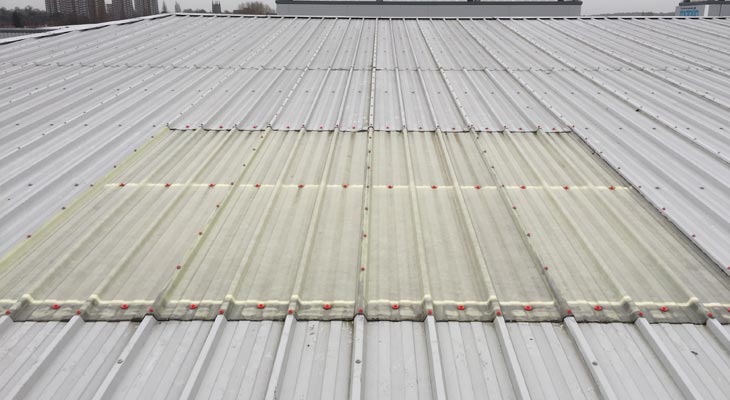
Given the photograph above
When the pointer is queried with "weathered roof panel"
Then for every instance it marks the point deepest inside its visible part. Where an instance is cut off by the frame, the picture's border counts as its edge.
(361, 359)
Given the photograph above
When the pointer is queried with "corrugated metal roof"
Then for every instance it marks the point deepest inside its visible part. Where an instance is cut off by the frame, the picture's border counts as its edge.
(263, 185)
(584, 75)
(339, 359)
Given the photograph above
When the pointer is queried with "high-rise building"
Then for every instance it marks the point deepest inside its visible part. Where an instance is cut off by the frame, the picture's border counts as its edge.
(100, 14)
(216, 7)
(146, 7)
(122, 9)
(80, 8)
(52, 7)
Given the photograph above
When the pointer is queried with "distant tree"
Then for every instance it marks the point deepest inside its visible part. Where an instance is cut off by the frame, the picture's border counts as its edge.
(17, 19)
(164, 7)
(254, 8)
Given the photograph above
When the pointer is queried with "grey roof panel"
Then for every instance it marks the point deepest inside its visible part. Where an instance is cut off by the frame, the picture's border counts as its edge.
(238, 359)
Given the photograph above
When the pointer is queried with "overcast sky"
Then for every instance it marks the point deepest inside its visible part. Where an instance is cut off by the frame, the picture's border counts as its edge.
(589, 6)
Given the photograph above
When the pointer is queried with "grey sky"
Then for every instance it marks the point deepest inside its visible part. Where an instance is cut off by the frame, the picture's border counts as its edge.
(589, 6)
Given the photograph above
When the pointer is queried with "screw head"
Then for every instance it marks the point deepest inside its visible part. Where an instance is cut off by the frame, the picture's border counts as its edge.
(261, 306)
(55, 306)
(395, 306)
(528, 308)
(124, 306)
(344, 185)
(460, 307)
(193, 306)
(327, 306)
(221, 311)
(150, 310)
(598, 307)
(390, 186)
(523, 187)
(663, 308)
(477, 187)
(499, 313)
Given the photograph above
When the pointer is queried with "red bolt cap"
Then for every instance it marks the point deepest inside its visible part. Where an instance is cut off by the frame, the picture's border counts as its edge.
(187, 126)
(221, 311)
(258, 185)
(362, 268)
(254, 126)
(598, 307)
(150, 310)
(55, 306)
(78, 312)
(122, 184)
(390, 186)
(193, 306)
(7, 312)
(523, 187)
(641, 313)
(301, 186)
(499, 313)
(344, 185)
(211, 185)
(709, 315)
(546, 268)
(460, 307)
(395, 306)
(430, 312)
(477, 187)
(290, 311)
(124, 306)
(528, 308)
(327, 306)
(220, 126)
(178, 266)
(566, 187)
(261, 306)
(663, 308)
(168, 185)
(569, 311)
(434, 187)
(611, 187)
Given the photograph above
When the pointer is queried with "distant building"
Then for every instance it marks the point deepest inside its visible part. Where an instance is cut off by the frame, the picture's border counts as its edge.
(122, 9)
(431, 8)
(100, 10)
(52, 7)
(700, 8)
(216, 7)
(146, 7)
(68, 7)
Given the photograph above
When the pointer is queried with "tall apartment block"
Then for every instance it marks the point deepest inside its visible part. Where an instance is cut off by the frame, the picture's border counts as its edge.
(146, 7)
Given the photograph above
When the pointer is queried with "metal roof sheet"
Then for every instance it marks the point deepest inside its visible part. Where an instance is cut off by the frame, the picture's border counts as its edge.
(337, 359)
(453, 175)
(585, 75)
